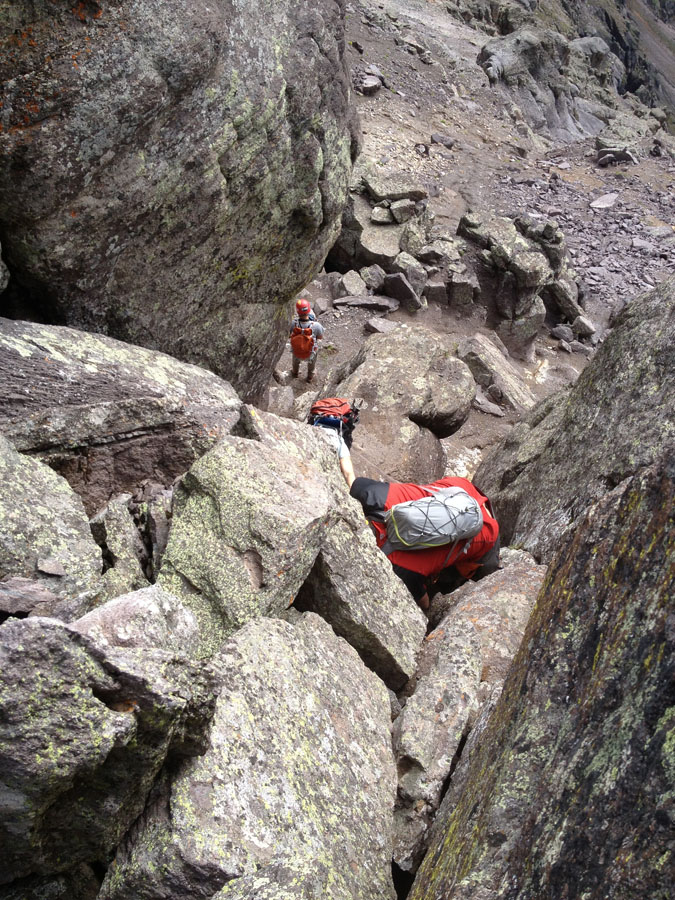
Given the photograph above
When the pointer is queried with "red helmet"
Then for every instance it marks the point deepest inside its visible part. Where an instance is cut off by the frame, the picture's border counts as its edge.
(302, 307)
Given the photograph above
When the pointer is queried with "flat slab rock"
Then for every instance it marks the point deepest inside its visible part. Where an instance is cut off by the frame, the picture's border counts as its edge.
(353, 587)
(498, 607)
(299, 774)
(106, 414)
(150, 617)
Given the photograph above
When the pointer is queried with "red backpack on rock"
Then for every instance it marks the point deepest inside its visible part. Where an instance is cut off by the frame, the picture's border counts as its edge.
(337, 413)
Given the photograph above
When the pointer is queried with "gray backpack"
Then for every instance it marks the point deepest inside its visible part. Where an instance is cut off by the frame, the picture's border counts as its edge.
(450, 515)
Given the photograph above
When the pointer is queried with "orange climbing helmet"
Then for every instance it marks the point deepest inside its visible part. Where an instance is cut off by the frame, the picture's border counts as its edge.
(302, 307)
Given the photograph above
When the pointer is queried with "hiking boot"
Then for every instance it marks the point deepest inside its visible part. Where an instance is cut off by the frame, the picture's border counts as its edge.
(310, 378)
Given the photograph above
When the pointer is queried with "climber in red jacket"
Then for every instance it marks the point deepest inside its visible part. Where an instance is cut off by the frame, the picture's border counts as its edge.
(435, 568)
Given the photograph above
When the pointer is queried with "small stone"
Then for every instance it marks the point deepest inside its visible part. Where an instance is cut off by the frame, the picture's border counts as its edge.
(398, 286)
(436, 292)
(563, 333)
(604, 202)
(402, 210)
(373, 277)
(444, 140)
(50, 567)
(583, 327)
(377, 325)
(373, 70)
(584, 349)
(368, 85)
(381, 216)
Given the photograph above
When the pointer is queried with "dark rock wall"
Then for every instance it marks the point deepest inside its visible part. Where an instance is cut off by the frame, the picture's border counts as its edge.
(571, 791)
(573, 449)
(171, 174)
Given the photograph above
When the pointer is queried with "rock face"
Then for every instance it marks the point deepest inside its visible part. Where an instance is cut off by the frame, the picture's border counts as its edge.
(45, 535)
(570, 787)
(417, 392)
(299, 777)
(172, 174)
(84, 728)
(104, 414)
(535, 66)
(265, 519)
(571, 450)
(463, 661)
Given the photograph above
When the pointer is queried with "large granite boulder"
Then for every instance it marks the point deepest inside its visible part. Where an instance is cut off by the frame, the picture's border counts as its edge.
(103, 414)
(353, 587)
(299, 775)
(45, 536)
(84, 731)
(150, 617)
(264, 519)
(464, 659)
(170, 173)
(248, 522)
(572, 449)
(570, 788)
(417, 391)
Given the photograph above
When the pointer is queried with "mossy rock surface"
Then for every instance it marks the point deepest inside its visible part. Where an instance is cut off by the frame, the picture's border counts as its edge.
(299, 774)
(570, 789)
(45, 535)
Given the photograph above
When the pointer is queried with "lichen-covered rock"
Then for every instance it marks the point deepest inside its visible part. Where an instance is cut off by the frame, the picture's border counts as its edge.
(44, 534)
(570, 789)
(249, 519)
(463, 661)
(116, 534)
(84, 728)
(299, 773)
(428, 732)
(498, 607)
(354, 588)
(289, 881)
(490, 367)
(170, 173)
(572, 449)
(417, 391)
(150, 617)
(103, 414)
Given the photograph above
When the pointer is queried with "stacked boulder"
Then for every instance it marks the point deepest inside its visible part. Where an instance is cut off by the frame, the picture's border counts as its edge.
(525, 274)
(390, 246)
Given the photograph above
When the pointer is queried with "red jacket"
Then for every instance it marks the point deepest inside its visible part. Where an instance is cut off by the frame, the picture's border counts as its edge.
(432, 560)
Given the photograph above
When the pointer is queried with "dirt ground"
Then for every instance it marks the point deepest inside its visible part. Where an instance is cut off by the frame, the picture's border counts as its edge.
(617, 252)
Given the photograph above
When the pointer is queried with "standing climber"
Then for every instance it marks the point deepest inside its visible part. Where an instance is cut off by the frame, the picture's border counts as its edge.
(429, 569)
(306, 333)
